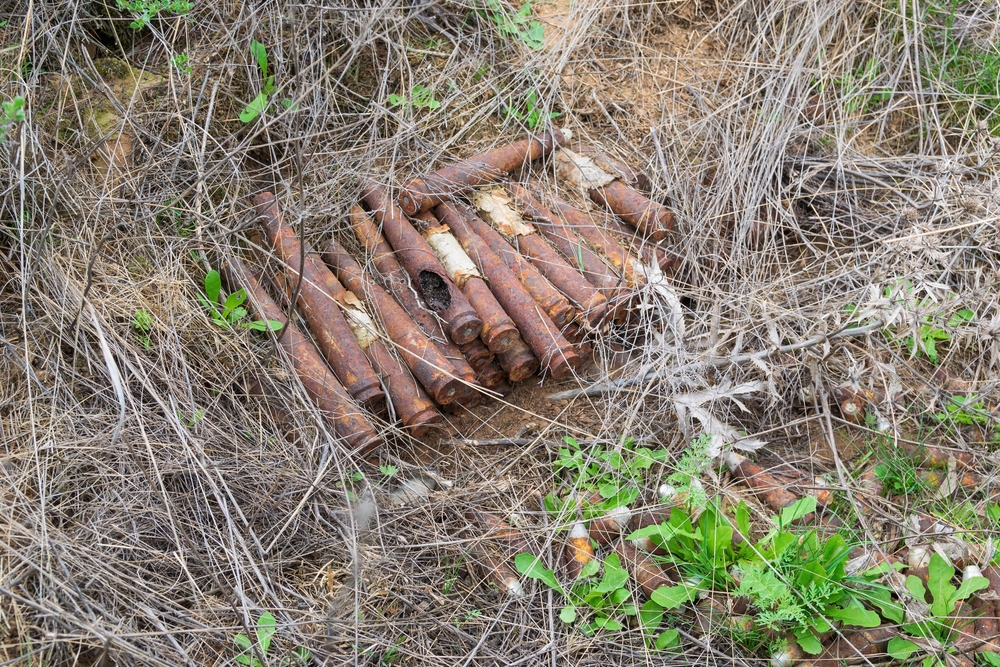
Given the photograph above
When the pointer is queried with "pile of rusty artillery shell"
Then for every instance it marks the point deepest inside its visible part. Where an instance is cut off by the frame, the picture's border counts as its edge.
(461, 283)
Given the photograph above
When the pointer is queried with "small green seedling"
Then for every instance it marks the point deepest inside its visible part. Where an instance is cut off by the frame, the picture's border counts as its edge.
(147, 9)
(932, 329)
(182, 63)
(142, 322)
(232, 310)
(939, 626)
(11, 113)
(262, 101)
(963, 410)
(515, 24)
(388, 471)
(421, 97)
(252, 654)
(534, 113)
(199, 414)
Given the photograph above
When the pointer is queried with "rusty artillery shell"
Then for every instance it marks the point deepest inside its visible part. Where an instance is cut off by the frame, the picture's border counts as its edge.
(497, 529)
(599, 241)
(493, 570)
(499, 331)
(397, 281)
(346, 417)
(492, 375)
(319, 305)
(850, 646)
(424, 360)
(555, 305)
(539, 333)
(421, 194)
(519, 363)
(967, 480)
(569, 244)
(579, 551)
(633, 177)
(985, 626)
(409, 401)
(429, 277)
(606, 529)
(772, 492)
(635, 208)
(643, 569)
(477, 354)
(936, 457)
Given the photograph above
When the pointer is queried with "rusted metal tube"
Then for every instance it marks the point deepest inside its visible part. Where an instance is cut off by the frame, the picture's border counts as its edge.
(424, 360)
(519, 362)
(492, 375)
(421, 194)
(635, 208)
(643, 569)
(556, 306)
(477, 355)
(409, 401)
(499, 530)
(398, 283)
(606, 529)
(319, 304)
(499, 331)
(600, 242)
(346, 417)
(579, 551)
(492, 569)
(773, 493)
(429, 276)
(539, 333)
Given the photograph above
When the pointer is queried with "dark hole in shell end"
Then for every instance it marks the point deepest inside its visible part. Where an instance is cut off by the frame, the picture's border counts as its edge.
(435, 291)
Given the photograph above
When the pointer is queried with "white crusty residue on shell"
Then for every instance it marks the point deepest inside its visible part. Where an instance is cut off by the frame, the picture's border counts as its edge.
(456, 262)
(580, 170)
(498, 210)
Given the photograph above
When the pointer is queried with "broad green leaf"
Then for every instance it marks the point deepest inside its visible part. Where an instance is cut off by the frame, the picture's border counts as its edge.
(808, 641)
(213, 285)
(608, 623)
(245, 659)
(237, 314)
(260, 54)
(568, 614)
(881, 597)
(940, 586)
(266, 626)
(243, 641)
(303, 654)
(254, 109)
(668, 639)
(992, 659)
(614, 575)
(672, 597)
(900, 648)
(268, 86)
(650, 616)
(916, 587)
(970, 586)
(743, 519)
(961, 317)
(855, 616)
(531, 566)
(664, 531)
(797, 510)
(590, 569)
(620, 596)
(608, 490)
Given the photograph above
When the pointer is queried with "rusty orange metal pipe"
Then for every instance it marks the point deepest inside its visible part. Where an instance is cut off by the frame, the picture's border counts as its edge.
(421, 194)
(635, 208)
(499, 331)
(541, 290)
(644, 570)
(424, 360)
(492, 375)
(539, 333)
(319, 304)
(765, 486)
(519, 362)
(429, 277)
(397, 281)
(348, 420)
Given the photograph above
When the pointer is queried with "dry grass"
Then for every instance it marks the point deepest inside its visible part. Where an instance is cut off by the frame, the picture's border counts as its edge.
(135, 532)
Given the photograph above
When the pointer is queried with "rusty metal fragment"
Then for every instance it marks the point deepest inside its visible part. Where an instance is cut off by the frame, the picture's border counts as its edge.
(499, 331)
(346, 417)
(421, 194)
(579, 551)
(936, 457)
(772, 493)
(519, 362)
(494, 571)
(398, 283)
(424, 360)
(556, 306)
(606, 529)
(644, 570)
(429, 277)
(854, 646)
(539, 333)
(319, 304)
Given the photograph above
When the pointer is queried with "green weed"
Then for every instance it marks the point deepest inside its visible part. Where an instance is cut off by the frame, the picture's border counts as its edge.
(932, 328)
(142, 322)
(232, 309)
(515, 24)
(147, 9)
(11, 113)
(260, 103)
(854, 88)
(181, 62)
(266, 628)
(531, 112)
(897, 472)
(421, 97)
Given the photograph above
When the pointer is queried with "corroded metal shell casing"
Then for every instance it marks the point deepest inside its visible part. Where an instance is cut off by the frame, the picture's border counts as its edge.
(423, 193)
(477, 354)
(429, 277)
(635, 208)
(319, 305)
(398, 283)
(765, 486)
(579, 551)
(644, 570)
(492, 375)
(424, 360)
(497, 529)
(499, 331)
(536, 328)
(348, 420)
(555, 305)
(493, 570)
(519, 362)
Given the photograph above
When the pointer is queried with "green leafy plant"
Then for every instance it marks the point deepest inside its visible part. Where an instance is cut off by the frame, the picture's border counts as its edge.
(265, 630)
(855, 88)
(199, 414)
(939, 625)
(388, 470)
(963, 410)
(932, 328)
(533, 113)
(232, 309)
(182, 63)
(897, 471)
(147, 9)
(142, 322)
(517, 24)
(421, 97)
(11, 113)
(260, 103)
